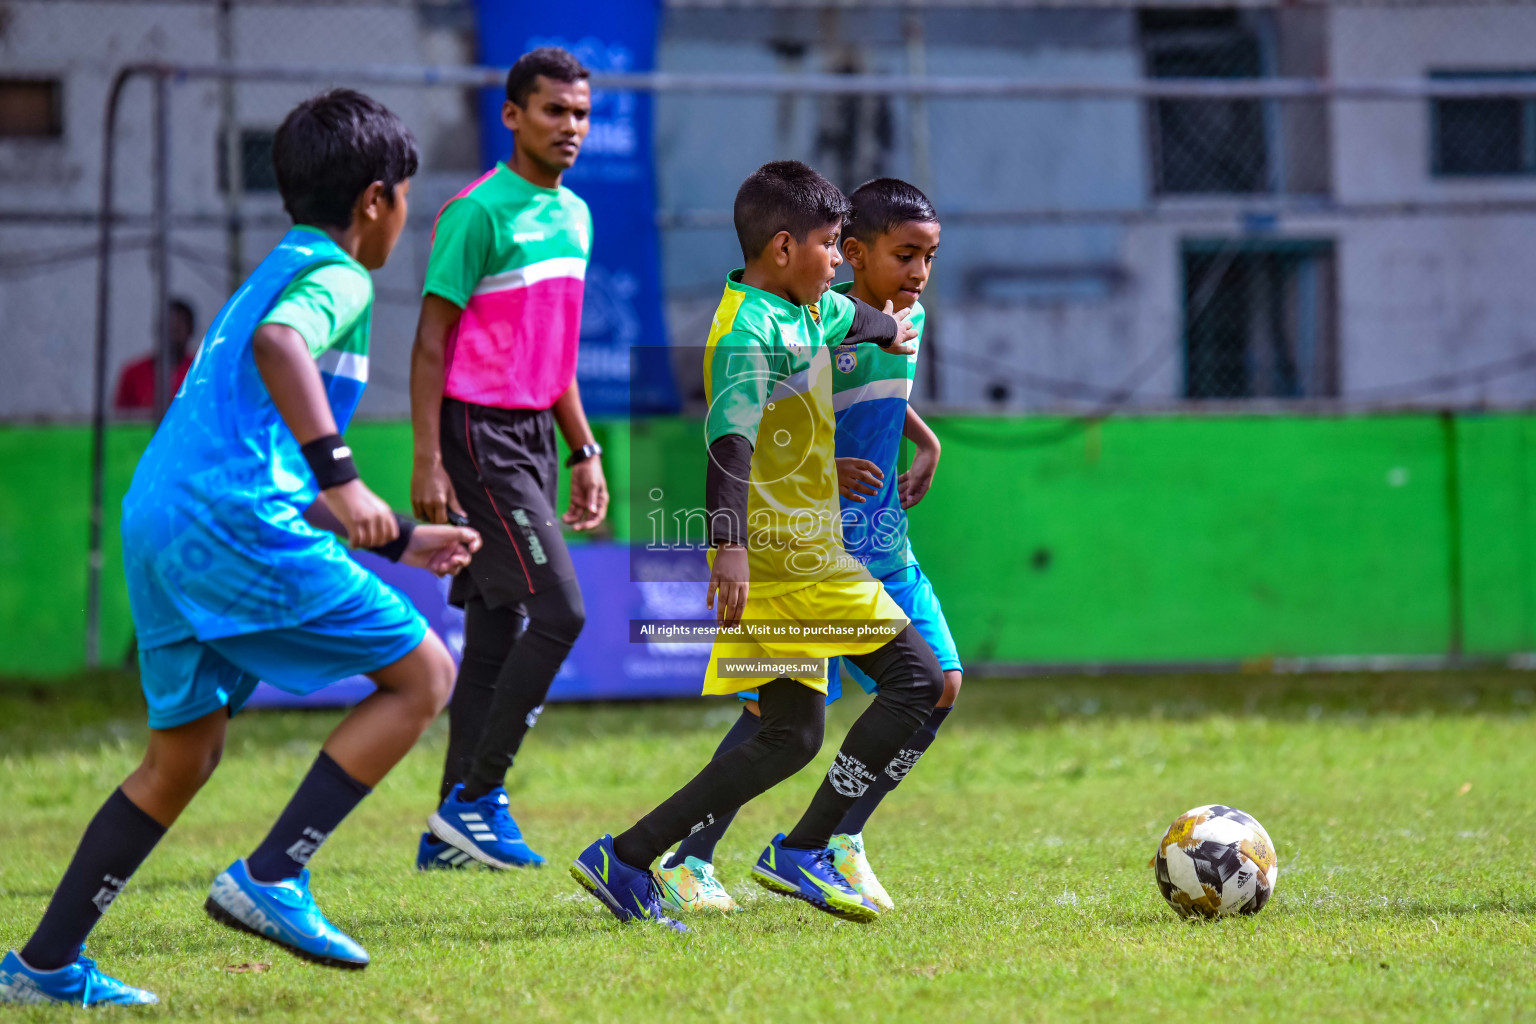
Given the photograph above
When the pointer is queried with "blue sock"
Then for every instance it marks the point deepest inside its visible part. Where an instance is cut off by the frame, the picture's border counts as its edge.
(858, 815)
(701, 844)
(114, 845)
(326, 796)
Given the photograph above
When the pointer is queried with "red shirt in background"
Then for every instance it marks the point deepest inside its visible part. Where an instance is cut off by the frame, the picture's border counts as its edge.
(136, 384)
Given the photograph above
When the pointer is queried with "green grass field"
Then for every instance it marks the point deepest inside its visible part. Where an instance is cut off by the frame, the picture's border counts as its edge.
(1401, 806)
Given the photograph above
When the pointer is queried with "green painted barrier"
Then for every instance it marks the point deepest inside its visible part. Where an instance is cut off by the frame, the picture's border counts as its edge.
(1135, 540)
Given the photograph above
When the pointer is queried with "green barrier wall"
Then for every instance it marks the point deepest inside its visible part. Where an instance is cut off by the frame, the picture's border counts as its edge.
(1137, 540)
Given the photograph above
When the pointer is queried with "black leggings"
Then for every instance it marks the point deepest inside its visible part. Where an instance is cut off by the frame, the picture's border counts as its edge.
(789, 737)
(503, 679)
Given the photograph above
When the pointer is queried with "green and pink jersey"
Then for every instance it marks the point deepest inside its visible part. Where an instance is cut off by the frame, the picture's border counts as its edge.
(513, 256)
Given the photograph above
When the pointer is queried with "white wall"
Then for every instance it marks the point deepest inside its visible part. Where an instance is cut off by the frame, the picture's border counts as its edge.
(1423, 295)
(47, 316)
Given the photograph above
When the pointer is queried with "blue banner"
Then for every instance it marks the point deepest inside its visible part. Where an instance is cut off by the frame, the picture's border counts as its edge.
(607, 663)
(614, 174)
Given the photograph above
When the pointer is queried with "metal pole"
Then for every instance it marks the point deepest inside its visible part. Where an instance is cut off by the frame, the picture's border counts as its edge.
(1455, 574)
(99, 374)
(159, 246)
(234, 169)
(993, 87)
(922, 170)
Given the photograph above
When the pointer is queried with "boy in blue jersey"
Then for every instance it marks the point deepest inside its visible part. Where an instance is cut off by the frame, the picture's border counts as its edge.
(889, 240)
(235, 572)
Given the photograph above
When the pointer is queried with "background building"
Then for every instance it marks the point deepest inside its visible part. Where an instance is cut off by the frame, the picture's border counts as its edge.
(1097, 251)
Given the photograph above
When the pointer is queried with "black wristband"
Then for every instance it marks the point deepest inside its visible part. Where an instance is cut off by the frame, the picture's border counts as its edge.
(395, 548)
(330, 460)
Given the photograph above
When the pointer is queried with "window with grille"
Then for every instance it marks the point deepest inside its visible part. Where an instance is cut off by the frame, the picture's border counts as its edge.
(31, 108)
(1205, 145)
(254, 151)
(1259, 319)
(1483, 137)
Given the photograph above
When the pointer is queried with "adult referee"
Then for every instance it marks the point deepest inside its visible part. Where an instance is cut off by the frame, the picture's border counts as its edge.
(493, 372)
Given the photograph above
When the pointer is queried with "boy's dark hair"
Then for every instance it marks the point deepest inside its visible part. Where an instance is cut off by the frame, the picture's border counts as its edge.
(880, 205)
(552, 62)
(333, 146)
(785, 195)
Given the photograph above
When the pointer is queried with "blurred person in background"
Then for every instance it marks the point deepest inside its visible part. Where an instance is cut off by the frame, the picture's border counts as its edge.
(136, 382)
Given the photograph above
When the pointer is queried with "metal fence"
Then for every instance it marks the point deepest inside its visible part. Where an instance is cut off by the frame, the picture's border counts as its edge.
(1188, 207)
(1195, 208)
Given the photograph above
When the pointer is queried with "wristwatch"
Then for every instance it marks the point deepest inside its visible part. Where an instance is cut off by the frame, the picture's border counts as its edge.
(584, 453)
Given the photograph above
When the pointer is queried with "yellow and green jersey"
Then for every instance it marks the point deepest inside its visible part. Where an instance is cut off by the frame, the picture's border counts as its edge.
(768, 378)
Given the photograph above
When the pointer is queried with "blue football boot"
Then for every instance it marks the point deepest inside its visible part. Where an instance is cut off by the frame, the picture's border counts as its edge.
(283, 913)
(812, 876)
(76, 984)
(432, 854)
(630, 893)
(483, 829)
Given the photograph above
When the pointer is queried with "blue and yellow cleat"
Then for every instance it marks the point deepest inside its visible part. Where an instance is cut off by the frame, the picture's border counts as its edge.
(483, 829)
(811, 875)
(76, 984)
(283, 913)
(631, 894)
(432, 854)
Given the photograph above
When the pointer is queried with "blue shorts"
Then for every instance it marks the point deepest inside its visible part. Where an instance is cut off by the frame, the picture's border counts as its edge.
(910, 589)
(185, 680)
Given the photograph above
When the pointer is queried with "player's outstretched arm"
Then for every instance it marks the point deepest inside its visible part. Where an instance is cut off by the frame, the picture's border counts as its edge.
(293, 381)
(912, 485)
(441, 550)
(725, 504)
(432, 496)
(892, 330)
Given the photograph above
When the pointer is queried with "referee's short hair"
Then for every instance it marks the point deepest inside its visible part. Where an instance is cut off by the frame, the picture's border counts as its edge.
(785, 195)
(552, 62)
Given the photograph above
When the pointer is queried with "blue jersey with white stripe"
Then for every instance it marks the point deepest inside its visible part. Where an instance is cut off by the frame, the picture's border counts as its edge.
(214, 539)
(870, 391)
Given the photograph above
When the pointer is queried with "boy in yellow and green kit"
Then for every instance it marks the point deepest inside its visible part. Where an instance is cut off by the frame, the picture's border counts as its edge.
(778, 566)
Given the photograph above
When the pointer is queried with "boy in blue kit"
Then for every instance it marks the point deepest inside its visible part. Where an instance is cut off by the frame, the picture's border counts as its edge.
(890, 240)
(235, 572)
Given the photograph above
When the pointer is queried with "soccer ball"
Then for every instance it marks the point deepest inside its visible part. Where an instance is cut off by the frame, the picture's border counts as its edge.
(1215, 860)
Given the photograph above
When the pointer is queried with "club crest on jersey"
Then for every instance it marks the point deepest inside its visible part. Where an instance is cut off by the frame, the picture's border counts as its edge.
(847, 360)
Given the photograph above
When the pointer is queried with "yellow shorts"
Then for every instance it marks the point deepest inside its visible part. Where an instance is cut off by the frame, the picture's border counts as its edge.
(831, 608)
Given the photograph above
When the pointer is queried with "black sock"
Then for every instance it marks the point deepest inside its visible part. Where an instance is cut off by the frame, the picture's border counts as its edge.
(489, 636)
(555, 619)
(858, 815)
(701, 843)
(910, 684)
(326, 796)
(788, 737)
(114, 845)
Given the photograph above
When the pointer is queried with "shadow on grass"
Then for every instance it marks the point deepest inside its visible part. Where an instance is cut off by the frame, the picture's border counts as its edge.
(1344, 909)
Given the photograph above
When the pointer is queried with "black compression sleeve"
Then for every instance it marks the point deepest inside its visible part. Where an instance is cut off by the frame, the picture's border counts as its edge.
(725, 489)
(870, 325)
(395, 548)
